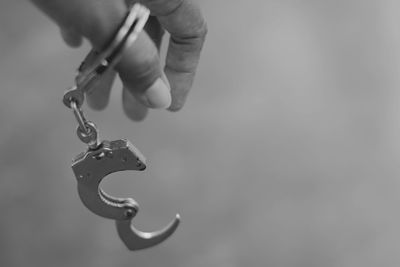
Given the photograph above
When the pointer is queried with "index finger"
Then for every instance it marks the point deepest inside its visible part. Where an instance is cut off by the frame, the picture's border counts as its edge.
(187, 27)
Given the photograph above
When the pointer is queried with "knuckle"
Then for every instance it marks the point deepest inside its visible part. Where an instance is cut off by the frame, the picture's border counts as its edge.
(198, 33)
(202, 31)
(162, 7)
(194, 39)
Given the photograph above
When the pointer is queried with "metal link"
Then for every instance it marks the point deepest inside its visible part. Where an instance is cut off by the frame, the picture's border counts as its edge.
(79, 117)
(90, 137)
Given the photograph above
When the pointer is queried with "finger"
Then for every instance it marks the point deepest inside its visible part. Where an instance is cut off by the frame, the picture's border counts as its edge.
(152, 27)
(71, 37)
(98, 98)
(140, 72)
(133, 109)
(184, 21)
(155, 31)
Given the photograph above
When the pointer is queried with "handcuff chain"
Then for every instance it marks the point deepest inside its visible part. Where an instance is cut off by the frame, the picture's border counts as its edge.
(82, 122)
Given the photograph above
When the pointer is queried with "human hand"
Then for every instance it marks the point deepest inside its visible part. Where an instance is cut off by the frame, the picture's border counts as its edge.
(145, 84)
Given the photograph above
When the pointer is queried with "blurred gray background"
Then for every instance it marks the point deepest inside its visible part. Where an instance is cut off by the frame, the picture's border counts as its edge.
(286, 154)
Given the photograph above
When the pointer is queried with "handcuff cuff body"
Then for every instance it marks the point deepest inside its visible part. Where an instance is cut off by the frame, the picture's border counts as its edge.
(106, 157)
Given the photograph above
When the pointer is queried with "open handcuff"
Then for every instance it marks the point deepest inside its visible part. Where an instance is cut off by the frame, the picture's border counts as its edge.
(106, 157)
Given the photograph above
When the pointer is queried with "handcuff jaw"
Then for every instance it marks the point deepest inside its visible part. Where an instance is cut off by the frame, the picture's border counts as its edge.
(135, 239)
(92, 166)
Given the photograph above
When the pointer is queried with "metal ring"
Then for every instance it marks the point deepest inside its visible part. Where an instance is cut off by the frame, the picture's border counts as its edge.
(90, 137)
(73, 94)
(109, 57)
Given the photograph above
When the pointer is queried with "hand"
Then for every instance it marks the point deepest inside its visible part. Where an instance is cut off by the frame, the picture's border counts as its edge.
(146, 85)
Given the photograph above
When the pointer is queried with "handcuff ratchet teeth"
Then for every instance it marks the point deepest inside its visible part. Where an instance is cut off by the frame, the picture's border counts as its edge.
(107, 157)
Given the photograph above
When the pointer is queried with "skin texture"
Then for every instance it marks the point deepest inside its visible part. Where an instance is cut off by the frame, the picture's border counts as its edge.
(146, 83)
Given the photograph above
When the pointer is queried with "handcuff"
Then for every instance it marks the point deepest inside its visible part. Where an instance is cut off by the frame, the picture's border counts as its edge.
(107, 157)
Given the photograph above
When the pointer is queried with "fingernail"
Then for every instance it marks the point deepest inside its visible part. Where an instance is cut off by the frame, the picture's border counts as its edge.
(158, 95)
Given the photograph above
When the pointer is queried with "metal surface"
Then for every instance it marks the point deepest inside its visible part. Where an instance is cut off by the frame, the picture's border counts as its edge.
(135, 239)
(92, 167)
